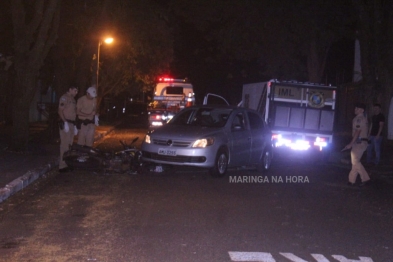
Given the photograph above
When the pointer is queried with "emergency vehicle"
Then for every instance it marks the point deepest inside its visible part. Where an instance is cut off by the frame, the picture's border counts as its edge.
(300, 115)
(170, 96)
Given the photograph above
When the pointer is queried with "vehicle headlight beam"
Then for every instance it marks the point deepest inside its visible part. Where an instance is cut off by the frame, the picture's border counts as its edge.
(204, 142)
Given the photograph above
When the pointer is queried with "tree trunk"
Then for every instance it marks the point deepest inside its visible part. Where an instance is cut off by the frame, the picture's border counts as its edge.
(35, 31)
(384, 34)
(25, 88)
(367, 43)
(316, 63)
(20, 126)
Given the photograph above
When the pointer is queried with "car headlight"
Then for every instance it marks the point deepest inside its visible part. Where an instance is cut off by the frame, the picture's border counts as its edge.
(147, 139)
(204, 142)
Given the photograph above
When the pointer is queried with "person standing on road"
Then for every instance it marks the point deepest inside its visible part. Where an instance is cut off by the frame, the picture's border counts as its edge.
(358, 145)
(375, 135)
(67, 128)
(86, 109)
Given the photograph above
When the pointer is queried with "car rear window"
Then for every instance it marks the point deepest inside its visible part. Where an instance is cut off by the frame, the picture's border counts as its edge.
(174, 90)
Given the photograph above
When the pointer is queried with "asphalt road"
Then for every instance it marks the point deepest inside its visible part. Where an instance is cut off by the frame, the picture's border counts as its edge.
(299, 211)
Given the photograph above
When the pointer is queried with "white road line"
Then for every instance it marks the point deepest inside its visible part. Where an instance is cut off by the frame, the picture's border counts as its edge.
(292, 257)
(251, 256)
(319, 258)
(344, 259)
(267, 257)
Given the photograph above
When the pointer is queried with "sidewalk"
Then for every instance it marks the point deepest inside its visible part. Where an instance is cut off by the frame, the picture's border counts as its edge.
(18, 170)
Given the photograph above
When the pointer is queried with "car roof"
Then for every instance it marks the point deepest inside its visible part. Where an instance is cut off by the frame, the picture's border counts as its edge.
(223, 107)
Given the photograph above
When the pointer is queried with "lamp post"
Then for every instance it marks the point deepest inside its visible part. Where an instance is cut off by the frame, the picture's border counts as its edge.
(108, 40)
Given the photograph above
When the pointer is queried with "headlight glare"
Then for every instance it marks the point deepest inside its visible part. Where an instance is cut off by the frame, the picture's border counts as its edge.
(147, 139)
(204, 142)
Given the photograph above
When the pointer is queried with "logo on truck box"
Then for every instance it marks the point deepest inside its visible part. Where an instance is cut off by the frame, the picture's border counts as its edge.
(288, 92)
(316, 97)
(316, 100)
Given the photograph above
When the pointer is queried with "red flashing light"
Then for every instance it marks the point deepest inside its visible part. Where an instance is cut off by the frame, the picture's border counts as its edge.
(166, 79)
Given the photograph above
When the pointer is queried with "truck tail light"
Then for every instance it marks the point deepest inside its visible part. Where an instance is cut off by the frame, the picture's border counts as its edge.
(320, 142)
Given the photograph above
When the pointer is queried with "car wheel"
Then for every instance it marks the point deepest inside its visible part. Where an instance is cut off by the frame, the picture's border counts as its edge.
(220, 165)
(266, 161)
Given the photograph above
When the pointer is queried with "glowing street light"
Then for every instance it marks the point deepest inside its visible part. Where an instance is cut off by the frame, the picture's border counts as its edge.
(108, 40)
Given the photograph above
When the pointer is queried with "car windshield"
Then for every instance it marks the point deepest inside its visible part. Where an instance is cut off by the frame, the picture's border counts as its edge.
(207, 117)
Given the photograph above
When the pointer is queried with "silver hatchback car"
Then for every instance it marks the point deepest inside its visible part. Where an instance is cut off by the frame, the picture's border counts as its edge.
(213, 137)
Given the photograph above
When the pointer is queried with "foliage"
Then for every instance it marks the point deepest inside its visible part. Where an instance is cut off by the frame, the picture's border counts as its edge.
(144, 48)
(288, 39)
(142, 45)
(375, 35)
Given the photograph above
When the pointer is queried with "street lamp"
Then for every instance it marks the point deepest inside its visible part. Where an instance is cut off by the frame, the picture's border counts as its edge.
(108, 40)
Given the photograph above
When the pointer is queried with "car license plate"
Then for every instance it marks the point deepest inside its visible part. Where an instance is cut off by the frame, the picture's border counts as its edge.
(167, 152)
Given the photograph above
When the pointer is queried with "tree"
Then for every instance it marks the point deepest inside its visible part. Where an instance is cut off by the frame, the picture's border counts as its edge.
(375, 35)
(283, 39)
(35, 25)
(312, 27)
(142, 46)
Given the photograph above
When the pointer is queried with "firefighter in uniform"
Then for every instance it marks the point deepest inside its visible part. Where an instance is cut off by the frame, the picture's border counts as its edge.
(87, 119)
(67, 114)
(358, 145)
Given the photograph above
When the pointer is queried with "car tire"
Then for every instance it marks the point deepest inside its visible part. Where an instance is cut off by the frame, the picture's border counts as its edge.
(266, 160)
(220, 164)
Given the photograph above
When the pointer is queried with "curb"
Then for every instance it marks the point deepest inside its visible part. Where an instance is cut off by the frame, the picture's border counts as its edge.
(25, 180)
(32, 175)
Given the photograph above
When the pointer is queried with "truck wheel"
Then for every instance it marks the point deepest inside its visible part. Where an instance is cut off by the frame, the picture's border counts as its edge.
(220, 165)
(266, 160)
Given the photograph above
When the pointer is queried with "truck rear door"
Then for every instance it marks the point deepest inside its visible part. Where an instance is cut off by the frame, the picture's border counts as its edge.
(302, 112)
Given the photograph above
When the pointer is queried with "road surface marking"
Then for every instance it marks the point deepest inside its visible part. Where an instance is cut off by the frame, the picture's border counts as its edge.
(268, 257)
(344, 259)
(251, 256)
